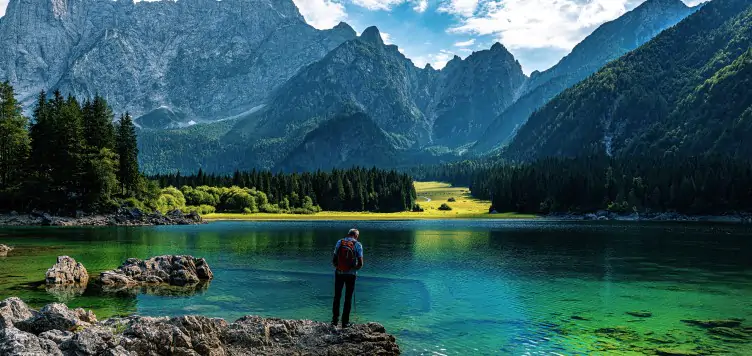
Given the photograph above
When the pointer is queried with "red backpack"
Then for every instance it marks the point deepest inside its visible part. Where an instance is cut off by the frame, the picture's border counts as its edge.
(346, 256)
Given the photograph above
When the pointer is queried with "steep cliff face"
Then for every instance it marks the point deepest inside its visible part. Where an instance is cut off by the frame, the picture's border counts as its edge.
(198, 59)
(472, 92)
(609, 42)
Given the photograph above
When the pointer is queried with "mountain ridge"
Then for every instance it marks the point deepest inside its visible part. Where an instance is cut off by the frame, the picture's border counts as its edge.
(608, 42)
(654, 99)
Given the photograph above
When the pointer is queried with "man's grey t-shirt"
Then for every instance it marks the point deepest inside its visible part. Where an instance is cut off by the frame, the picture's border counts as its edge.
(358, 253)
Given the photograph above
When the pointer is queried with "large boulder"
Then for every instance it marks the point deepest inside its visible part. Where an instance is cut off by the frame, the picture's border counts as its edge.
(4, 249)
(57, 316)
(16, 342)
(13, 310)
(174, 270)
(67, 271)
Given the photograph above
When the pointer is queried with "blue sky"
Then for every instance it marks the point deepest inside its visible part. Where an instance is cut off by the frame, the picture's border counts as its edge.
(538, 32)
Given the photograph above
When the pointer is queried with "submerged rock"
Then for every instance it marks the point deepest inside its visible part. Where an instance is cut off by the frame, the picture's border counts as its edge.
(727, 332)
(67, 271)
(56, 330)
(729, 323)
(174, 270)
(619, 333)
(4, 249)
(665, 351)
(640, 314)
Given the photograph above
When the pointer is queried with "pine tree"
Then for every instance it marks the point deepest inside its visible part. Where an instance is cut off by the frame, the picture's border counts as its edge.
(127, 150)
(98, 129)
(14, 138)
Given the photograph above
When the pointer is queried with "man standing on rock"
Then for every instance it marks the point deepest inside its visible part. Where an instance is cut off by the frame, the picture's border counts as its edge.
(347, 260)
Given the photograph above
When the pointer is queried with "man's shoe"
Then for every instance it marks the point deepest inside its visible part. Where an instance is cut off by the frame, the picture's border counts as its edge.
(334, 323)
(345, 325)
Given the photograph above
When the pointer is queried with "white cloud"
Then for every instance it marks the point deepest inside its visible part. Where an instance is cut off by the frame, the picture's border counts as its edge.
(3, 5)
(321, 14)
(387, 5)
(437, 60)
(387, 38)
(464, 8)
(378, 4)
(421, 6)
(541, 23)
(467, 43)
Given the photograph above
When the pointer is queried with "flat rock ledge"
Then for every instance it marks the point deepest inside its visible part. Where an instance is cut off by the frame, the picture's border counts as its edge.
(175, 270)
(4, 249)
(124, 217)
(58, 331)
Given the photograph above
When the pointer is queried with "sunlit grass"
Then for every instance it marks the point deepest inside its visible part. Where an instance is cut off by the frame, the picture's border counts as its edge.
(465, 207)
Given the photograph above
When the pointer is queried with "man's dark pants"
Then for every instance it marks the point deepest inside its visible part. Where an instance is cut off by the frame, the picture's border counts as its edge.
(348, 281)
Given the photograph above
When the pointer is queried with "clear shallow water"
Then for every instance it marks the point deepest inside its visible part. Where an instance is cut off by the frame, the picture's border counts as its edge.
(451, 287)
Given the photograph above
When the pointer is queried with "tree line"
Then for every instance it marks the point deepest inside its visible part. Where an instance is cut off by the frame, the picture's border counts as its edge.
(354, 189)
(689, 185)
(73, 156)
(70, 157)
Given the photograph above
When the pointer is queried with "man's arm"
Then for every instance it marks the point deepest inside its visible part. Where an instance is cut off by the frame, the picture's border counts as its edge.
(359, 252)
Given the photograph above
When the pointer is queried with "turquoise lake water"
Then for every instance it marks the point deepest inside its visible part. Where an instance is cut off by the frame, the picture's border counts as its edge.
(441, 287)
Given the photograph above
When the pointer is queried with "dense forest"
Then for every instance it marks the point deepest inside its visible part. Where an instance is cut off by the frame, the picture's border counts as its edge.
(69, 158)
(690, 185)
(355, 189)
(74, 157)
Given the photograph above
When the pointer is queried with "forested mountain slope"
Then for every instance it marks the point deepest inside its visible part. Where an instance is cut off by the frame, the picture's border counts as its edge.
(684, 92)
(607, 43)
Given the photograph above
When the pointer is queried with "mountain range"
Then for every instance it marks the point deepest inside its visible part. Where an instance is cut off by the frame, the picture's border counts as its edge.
(259, 88)
(170, 62)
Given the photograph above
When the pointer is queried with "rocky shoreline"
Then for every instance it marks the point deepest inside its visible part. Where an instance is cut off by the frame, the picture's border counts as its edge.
(603, 215)
(124, 217)
(58, 331)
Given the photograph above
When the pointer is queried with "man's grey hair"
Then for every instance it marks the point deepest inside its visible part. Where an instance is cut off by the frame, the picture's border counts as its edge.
(353, 232)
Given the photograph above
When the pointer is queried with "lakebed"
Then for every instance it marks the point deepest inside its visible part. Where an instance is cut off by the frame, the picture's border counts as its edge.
(447, 286)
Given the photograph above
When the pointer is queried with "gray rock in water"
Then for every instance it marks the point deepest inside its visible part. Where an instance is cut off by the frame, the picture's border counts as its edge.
(4, 249)
(57, 316)
(67, 271)
(173, 270)
(13, 310)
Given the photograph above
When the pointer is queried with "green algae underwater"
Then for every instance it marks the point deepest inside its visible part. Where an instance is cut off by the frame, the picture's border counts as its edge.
(454, 287)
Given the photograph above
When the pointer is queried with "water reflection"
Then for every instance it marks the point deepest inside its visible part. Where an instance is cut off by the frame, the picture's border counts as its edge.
(445, 287)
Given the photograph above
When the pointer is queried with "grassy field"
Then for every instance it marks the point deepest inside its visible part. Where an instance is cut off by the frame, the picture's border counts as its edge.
(430, 196)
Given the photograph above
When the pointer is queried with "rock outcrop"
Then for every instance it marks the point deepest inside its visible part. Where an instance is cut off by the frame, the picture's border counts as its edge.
(124, 217)
(4, 249)
(173, 270)
(67, 271)
(56, 330)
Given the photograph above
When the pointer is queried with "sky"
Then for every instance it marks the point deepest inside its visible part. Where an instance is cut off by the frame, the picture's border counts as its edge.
(537, 32)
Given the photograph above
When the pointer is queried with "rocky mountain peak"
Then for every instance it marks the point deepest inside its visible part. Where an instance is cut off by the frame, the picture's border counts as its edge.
(372, 35)
(343, 26)
(498, 47)
(204, 60)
